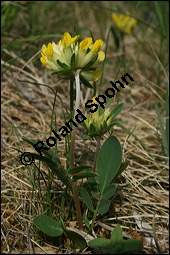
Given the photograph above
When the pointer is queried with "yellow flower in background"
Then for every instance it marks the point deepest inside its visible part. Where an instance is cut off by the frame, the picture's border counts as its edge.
(97, 124)
(124, 22)
(66, 57)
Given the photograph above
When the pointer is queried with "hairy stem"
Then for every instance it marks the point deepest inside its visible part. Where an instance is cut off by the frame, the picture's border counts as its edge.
(71, 98)
(72, 159)
(73, 137)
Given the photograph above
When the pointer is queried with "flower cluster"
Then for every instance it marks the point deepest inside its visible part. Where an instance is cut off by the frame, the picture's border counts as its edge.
(98, 123)
(66, 57)
(124, 22)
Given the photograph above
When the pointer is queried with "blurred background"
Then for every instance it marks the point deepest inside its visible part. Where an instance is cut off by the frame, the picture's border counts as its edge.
(27, 107)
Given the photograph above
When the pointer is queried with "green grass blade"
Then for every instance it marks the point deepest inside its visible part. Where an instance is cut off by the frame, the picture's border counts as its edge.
(132, 134)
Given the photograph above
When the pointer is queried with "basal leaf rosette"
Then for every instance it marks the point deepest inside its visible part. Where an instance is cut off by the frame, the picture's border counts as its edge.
(124, 22)
(66, 57)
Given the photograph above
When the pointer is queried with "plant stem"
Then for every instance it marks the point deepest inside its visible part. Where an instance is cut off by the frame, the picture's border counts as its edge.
(77, 205)
(96, 153)
(72, 148)
(73, 137)
(94, 218)
(71, 98)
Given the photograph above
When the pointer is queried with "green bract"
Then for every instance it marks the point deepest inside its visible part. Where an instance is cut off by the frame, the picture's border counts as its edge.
(98, 123)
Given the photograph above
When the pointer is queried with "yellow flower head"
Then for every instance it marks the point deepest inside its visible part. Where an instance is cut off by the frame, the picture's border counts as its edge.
(124, 22)
(98, 124)
(66, 57)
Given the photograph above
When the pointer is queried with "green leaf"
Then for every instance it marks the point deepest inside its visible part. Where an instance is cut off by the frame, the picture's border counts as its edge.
(121, 169)
(48, 225)
(99, 242)
(132, 245)
(72, 62)
(42, 158)
(116, 111)
(103, 127)
(85, 82)
(91, 68)
(117, 237)
(109, 191)
(101, 245)
(77, 238)
(92, 128)
(62, 65)
(56, 160)
(59, 72)
(91, 186)
(77, 169)
(56, 168)
(103, 206)
(116, 245)
(83, 175)
(48, 153)
(101, 110)
(86, 220)
(86, 198)
(108, 162)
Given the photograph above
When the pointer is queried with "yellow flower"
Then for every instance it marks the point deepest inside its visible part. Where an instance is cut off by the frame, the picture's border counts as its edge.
(98, 124)
(66, 57)
(86, 43)
(67, 40)
(97, 46)
(124, 22)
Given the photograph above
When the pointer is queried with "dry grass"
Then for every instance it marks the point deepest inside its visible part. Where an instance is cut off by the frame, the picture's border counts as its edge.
(26, 111)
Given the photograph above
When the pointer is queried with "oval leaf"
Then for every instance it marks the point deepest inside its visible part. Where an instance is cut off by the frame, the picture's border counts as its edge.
(86, 199)
(123, 166)
(77, 238)
(101, 245)
(104, 206)
(109, 191)
(108, 161)
(48, 225)
(117, 237)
